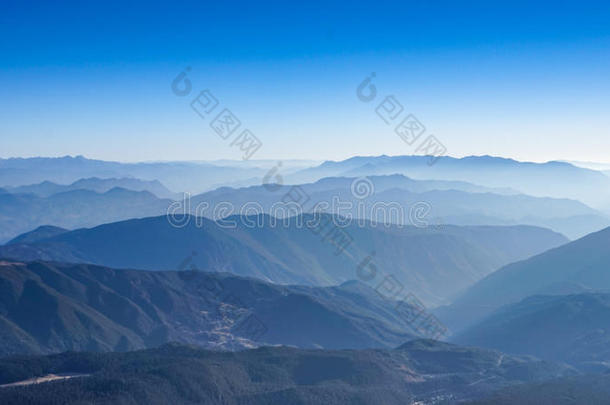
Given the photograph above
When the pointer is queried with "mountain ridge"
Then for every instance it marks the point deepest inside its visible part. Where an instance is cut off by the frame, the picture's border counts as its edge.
(48, 307)
(576, 266)
(434, 263)
(572, 328)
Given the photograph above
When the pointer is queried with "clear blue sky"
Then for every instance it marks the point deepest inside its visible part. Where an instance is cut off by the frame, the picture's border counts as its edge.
(529, 81)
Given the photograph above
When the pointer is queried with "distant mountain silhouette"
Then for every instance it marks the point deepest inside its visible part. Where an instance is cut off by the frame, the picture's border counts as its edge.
(178, 176)
(48, 188)
(434, 263)
(536, 179)
(40, 233)
(21, 213)
(450, 202)
(89, 202)
(419, 372)
(551, 179)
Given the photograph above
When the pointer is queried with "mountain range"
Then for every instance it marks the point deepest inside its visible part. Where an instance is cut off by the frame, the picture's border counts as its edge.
(48, 188)
(193, 177)
(21, 213)
(435, 264)
(54, 307)
(229, 293)
(537, 179)
(568, 328)
(393, 198)
(87, 203)
(577, 267)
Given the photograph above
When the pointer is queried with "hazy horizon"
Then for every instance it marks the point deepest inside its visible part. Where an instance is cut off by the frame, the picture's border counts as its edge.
(592, 165)
(527, 82)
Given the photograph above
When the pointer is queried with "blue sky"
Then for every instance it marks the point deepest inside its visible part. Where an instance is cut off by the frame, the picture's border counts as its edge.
(521, 80)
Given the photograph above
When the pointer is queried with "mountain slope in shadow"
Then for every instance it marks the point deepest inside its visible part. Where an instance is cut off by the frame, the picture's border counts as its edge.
(52, 307)
(433, 263)
(568, 328)
(579, 266)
